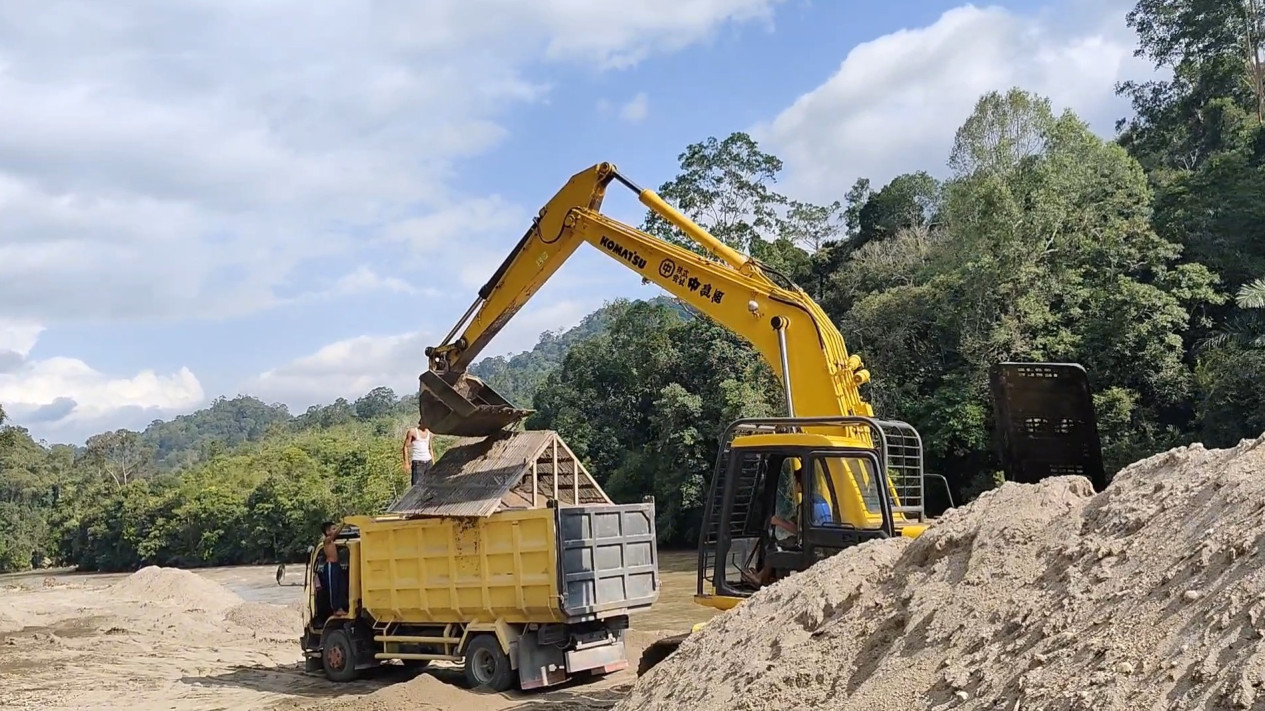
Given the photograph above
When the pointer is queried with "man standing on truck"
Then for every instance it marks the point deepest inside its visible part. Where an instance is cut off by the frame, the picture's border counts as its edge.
(333, 569)
(419, 451)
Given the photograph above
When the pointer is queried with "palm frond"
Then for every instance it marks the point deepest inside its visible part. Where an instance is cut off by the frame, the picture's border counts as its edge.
(1252, 295)
(1245, 329)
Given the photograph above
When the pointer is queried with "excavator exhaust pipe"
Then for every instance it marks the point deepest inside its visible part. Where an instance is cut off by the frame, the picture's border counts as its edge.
(461, 405)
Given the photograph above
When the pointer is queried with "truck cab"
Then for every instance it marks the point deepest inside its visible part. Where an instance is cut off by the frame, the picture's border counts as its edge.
(318, 611)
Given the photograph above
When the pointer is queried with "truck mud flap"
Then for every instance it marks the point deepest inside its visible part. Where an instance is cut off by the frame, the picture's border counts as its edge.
(539, 665)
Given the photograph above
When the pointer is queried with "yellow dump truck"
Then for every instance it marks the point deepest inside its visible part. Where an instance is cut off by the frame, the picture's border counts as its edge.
(501, 561)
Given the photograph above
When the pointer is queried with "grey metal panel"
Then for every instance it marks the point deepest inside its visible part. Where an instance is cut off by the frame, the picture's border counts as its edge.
(614, 654)
(607, 558)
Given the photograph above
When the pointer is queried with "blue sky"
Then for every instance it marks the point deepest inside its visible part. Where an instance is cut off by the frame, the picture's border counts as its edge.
(292, 199)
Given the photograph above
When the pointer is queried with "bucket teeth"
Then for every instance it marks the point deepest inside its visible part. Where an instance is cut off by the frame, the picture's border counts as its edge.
(462, 405)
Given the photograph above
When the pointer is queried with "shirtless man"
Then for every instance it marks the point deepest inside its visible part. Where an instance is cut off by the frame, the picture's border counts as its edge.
(419, 452)
(333, 571)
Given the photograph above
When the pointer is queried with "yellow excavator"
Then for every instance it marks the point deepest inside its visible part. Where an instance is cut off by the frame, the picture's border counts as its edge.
(864, 474)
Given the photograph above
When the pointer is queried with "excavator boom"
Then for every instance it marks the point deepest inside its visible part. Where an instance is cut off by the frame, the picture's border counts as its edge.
(788, 329)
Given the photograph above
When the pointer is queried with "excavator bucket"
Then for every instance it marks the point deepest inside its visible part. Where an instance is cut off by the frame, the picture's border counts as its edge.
(460, 404)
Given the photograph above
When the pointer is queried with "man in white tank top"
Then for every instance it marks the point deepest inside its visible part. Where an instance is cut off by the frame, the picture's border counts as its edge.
(419, 452)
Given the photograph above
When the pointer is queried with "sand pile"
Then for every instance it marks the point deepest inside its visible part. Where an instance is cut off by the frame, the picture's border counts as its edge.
(9, 623)
(1150, 595)
(266, 619)
(173, 586)
(421, 693)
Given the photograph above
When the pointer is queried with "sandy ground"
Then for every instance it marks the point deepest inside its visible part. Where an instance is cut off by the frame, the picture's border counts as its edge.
(71, 641)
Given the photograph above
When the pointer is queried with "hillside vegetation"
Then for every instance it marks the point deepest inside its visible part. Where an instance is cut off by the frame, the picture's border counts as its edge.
(1139, 257)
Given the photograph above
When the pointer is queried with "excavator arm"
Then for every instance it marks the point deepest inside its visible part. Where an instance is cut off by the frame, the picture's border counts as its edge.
(787, 328)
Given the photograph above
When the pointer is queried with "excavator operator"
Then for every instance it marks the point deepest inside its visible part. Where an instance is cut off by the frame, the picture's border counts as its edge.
(820, 513)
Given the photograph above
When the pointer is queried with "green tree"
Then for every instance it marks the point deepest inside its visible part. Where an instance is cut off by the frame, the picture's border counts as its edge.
(1199, 133)
(724, 185)
(1045, 252)
(1245, 329)
(908, 201)
(120, 456)
(1214, 49)
(375, 403)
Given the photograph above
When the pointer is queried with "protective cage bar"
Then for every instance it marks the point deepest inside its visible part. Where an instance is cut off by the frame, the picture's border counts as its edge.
(1045, 422)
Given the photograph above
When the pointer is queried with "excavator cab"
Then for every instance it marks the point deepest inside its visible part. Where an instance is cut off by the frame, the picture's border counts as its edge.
(1045, 426)
(843, 481)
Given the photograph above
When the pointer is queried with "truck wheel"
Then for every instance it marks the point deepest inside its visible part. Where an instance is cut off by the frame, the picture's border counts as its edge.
(338, 656)
(486, 666)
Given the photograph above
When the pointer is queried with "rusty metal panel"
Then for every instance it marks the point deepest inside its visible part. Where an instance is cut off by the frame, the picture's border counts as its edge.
(483, 475)
(473, 475)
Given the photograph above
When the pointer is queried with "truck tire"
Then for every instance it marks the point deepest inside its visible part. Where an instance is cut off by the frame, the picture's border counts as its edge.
(338, 656)
(487, 667)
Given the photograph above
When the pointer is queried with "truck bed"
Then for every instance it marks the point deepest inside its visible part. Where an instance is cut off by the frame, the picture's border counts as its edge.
(555, 564)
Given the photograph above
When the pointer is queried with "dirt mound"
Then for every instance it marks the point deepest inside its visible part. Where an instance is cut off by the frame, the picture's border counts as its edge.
(421, 693)
(266, 619)
(176, 587)
(9, 623)
(1150, 595)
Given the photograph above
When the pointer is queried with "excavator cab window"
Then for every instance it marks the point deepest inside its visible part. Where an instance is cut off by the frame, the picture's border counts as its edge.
(748, 491)
(823, 486)
(835, 471)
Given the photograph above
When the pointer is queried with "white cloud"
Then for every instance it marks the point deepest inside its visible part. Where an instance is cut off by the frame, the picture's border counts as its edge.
(19, 336)
(347, 368)
(636, 109)
(459, 224)
(185, 158)
(364, 279)
(620, 34)
(67, 395)
(351, 367)
(895, 102)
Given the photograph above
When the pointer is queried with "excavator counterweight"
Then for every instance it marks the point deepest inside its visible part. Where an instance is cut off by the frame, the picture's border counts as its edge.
(462, 405)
